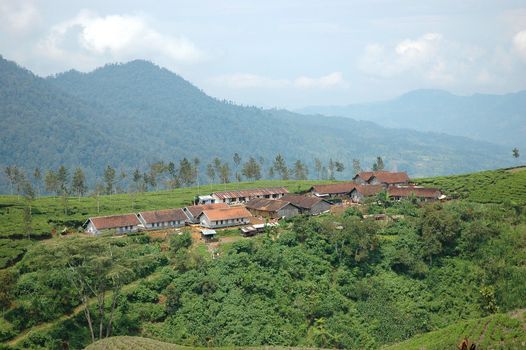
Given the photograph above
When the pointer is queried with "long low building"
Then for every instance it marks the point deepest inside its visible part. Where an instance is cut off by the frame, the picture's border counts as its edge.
(420, 193)
(362, 191)
(158, 219)
(118, 223)
(332, 190)
(193, 211)
(272, 208)
(386, 178)
(308, 205)
(243, 196)
(217, 218)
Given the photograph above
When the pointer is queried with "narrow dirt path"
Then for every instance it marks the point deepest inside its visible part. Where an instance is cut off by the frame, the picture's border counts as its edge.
(47, 325)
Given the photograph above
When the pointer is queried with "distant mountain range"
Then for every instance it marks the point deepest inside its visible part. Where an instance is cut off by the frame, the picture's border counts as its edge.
(500, 119)
(130, 115)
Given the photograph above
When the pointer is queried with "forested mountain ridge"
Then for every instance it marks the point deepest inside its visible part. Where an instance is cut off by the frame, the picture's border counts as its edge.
(498, 119)
(42, 125)
(133, 114)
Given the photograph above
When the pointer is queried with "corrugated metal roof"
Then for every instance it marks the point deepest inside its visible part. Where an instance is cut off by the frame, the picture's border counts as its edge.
(250, 193)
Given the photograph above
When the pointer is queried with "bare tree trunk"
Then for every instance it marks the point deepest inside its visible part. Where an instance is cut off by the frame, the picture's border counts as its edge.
(113, 305)
(100, 298)
(88, 318)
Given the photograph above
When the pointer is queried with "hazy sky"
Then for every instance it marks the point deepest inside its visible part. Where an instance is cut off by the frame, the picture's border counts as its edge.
(282, 53)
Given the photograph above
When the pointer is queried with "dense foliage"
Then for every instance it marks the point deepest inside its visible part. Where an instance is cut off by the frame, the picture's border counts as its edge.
(328, 281)
(134, 114)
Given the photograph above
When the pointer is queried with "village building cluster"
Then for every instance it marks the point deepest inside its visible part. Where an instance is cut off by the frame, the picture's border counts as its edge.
(249, 208)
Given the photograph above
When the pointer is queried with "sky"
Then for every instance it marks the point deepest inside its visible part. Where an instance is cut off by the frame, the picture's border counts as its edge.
(285, 54)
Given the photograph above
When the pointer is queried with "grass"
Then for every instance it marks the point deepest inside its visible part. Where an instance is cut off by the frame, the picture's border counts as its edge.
(492, 186)
(499, 331)
(48, 212)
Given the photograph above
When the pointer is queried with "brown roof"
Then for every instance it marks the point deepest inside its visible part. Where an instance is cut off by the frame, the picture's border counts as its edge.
(265, 204)
(225, 214)
(196, 210)
(302, 201)
(251, 192)
(384, 176)
(390, 178)
(344, 187)
(416, 191)
(166, 215)
(365, 175)
(114, 221)
(369, 190)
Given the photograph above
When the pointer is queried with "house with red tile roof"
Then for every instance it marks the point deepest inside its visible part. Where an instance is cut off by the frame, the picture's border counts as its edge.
(217, 218)
(159, 219)
(308, 205)
(272, 208)
(386, 178)
(193, 211)
(362, 191)
(341, 189)
(123, 223)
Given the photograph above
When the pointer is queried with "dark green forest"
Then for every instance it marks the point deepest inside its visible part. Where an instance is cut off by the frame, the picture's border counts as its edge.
(135, 114)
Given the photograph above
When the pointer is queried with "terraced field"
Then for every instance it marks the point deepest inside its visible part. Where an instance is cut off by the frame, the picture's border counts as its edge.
(493, 186)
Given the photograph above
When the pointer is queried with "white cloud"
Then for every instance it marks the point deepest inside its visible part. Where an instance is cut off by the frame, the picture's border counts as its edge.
(241, 81)
(429, 59)
(88, 40)
(519, 44)
(18, 16)
(328, 81)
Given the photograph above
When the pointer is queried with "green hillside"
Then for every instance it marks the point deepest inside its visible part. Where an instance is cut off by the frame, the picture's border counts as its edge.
(438, 273)
(494, 186)
(500, 331)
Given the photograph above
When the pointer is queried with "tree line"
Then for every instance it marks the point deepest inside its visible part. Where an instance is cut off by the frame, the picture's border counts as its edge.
(65, 182)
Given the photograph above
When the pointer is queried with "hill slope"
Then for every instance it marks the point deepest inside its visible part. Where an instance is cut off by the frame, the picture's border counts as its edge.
(494, 332)
(495, 118)
(494, 186)
(500, 331)
(160, 105)
(130, 115)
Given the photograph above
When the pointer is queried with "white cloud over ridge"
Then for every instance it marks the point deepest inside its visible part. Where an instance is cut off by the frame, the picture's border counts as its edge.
(519, 44)
(88, 40)
(430, 58)
(243, 81)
